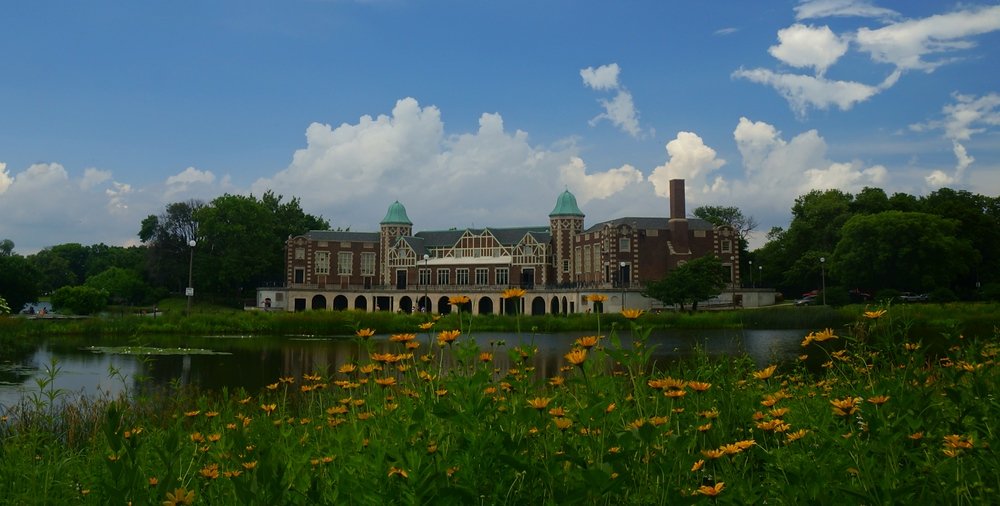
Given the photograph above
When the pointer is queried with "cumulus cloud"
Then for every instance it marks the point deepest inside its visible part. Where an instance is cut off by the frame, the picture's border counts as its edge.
(812, 9)
(689, 159)
(93, 177)
(803, 91)
(5, 179)
(967, 116)
(807, 46)
(908, 44)
(597, 186)
(620, 110)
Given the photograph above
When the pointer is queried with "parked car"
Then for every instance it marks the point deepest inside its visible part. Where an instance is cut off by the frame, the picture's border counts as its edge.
(913, 297)
(806, 300)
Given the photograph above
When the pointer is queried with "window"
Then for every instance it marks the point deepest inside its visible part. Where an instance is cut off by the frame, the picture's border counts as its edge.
(586, 258)
(444, 277)
(300, 253)
(345, 261)
(727, 246)
(368, 264)
(503, 276)
(300, 275)
(462, 276)
(577, 259)
(322, 262)
(279, 297)
(425, 276)
(624, 244)
(565, 265)
(482, 276)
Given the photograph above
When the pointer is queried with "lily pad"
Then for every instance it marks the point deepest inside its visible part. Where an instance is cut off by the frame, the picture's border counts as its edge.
(150, 350)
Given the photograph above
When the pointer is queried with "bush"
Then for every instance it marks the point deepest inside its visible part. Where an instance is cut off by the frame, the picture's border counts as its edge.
(82, 300)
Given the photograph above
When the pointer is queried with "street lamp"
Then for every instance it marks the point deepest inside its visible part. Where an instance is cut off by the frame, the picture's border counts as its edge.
(822, 268)
(751, 273)
(760, 272)
(425, 305)
(189, 291)
(621, 277)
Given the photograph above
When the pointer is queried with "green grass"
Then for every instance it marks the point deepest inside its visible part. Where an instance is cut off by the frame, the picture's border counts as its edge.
(869, 416)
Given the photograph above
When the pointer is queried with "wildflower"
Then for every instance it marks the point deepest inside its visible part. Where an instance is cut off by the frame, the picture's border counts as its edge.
(365, 333)
(386, 382)
(272, 386)
(657, 421)
(210, 471)
(916, 436)
(611, 407)
(563, 423)
(441, 393)
(426, 325)
(402, 338)
(232, 474)
(637, 423)
(347, 368)
(778, 412)
(699, 386)
(458, 300)
(448, 336)
(577, 357)
(485, 357)
(179, 497)
(197, 437)
(632, 314)
(269, 408)
(153, 481)
(705, 427)
(192, 414)
(211, 414)
(766, 372)
(244, 400)
(957, 441)
(846, 406)
(878, 399)
(711, 491)
(698, 465)
(587, 342)
(539, 403)
(675, 393)
(874, 315)
(596, 297)
(713, 454)
(818, 337)
(557, 381)
(214, 438)
(557, 412)
(666, 383)
(513, 293)
(795, 436)
(710, 414)
(911, 346)
(412, 345)
(312, 377)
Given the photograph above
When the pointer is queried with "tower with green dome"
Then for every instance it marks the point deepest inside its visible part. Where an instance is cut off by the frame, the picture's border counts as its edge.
(565, 222)
(395, 225)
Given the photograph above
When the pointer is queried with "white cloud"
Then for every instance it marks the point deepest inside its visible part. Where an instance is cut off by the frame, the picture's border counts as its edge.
(803, 92)
(620, 110)
(604, 77)
(726, 31)
(841, 8)
(807, 46)
(589, 187)
(5, 179)
(907, 44)
(93, 177)
(967, 116)
(186, 180)
(689, 159)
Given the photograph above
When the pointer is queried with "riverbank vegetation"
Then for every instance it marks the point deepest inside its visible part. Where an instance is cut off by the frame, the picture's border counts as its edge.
(870, 413)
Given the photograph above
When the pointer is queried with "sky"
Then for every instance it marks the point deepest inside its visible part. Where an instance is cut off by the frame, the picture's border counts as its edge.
(479, 114)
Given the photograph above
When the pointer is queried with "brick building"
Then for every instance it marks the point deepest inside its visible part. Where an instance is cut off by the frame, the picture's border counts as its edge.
(559, 263)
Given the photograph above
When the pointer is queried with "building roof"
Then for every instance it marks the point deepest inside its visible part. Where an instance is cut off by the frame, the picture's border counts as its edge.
(566, 206)
(648, 223)
(335, 235)
(506, 236)
(396, 215)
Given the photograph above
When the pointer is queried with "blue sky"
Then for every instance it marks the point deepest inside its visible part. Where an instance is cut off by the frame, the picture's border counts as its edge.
(480, 113)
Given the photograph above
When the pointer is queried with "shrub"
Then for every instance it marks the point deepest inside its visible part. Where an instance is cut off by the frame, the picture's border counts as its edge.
(81, 300)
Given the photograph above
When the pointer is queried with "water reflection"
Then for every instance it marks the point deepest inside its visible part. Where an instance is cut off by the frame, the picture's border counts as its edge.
(253, 362)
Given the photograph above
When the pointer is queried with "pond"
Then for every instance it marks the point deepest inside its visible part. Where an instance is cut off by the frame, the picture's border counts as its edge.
(217, 362)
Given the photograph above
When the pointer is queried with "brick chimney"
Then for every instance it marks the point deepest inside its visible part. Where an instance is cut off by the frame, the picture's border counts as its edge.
(678, 218)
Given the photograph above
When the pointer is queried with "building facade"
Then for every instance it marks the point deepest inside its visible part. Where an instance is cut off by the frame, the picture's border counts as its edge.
(559, 264)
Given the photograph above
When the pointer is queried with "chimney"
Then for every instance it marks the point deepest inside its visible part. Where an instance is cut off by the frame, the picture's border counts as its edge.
(678, 218)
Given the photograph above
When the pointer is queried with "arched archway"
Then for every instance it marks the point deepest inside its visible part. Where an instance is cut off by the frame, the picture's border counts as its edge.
(406, 304)
(424, 304)
(318, 302)
(485, 305)
(360, 302)
(565, 306)
(339, 303)
(537, 306)
(443, 306)
(554, 305)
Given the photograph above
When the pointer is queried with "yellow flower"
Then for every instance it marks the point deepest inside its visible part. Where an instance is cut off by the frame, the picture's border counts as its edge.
(426, 325)
(713, 454)
(365, 333)
(269, 408)
(587, 342)
(539, 403)
(874, 315)
(197, 437)
(513, 293)
(705, 427)
(402, 338)
(557, 381)
(191, 414)
(698, 465)
(699, 386)
(178, 497)
(818, 337)
(766, 372)
(210, 471)
(711, 491)
(611, 407)
(632, 314)
(386, 382)
(485, 357)
(563, 423)
(657, 421)
(347, 368)
(710, 414)
(596, 297)
(557, 412)
(577, 356)
(916, 436)
(846, 406)
(458, 300)
(448, 336)
(957, 441)
(795, 436)
(878, 399)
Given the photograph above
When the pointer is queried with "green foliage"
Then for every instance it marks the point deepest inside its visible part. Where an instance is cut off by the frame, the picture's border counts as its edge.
(697, 280)
(4, 308)
(121, 285)
(81, 300)
(18, 281)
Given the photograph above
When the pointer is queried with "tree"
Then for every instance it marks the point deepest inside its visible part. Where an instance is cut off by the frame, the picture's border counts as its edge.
(904, 250)
(81, 300)
(166, 237)
(732, 216)
(697, 280)
(18, 281)
(121, 285)
(6, 247)
(54, 270)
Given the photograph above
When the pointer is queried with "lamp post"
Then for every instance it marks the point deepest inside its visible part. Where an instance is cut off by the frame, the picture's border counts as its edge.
(760, 274)
(189, 291)
(621, 278)
(425, 305)
(822, 269)
(751, 273)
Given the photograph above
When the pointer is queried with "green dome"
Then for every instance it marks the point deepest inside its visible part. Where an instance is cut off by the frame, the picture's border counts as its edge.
(566, 206)
(396, 215)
